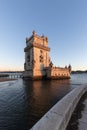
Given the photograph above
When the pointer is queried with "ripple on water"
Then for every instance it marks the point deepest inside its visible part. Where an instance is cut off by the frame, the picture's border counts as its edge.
(23, 103)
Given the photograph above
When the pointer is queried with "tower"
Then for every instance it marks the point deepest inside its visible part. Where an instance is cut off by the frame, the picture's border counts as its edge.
(36, 56)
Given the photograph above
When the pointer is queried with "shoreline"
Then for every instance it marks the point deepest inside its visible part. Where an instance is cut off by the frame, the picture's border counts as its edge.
(3, 79)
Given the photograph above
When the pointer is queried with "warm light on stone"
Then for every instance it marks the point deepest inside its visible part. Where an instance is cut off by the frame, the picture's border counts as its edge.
(37, 60)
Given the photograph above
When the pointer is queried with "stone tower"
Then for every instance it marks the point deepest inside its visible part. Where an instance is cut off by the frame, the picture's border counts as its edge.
(36, 56)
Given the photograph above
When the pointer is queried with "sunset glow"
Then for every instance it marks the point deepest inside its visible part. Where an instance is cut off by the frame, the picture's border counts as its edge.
(63, 22)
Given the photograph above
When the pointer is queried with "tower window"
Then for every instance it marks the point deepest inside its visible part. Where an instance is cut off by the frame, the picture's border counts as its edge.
(28, 58)
(41, 51)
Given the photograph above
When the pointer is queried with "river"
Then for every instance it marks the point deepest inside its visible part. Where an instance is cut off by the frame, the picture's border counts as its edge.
(24, 102)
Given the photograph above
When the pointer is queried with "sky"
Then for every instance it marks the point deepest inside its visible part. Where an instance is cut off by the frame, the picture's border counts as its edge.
(64, 22)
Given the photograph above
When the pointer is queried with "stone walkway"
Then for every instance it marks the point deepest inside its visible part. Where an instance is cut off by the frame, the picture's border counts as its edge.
(78, 120)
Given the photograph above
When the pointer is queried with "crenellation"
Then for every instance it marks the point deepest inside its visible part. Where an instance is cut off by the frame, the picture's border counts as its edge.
(37, 60)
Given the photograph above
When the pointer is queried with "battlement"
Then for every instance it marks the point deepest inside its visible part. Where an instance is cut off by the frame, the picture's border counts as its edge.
(37, 60)
(41, 40)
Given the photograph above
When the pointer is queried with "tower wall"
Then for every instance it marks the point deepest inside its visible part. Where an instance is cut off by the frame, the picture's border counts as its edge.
(41, 58)
(37, 60)
(28, 59)
(36, 56)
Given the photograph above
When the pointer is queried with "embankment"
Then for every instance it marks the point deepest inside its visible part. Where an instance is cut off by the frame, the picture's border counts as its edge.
(59, 115)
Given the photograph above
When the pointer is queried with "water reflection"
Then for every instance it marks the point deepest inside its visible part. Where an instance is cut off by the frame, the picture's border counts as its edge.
(42, 95)
(24, 102)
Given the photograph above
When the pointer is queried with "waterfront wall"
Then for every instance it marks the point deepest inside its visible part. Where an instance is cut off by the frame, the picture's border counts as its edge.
(58, 72)
(58, 116)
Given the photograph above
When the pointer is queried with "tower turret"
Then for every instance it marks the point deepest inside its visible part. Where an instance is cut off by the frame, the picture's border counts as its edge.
(70, 68)
(36, 56)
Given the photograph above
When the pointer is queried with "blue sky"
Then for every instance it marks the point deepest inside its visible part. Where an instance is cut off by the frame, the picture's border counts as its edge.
(64, 22)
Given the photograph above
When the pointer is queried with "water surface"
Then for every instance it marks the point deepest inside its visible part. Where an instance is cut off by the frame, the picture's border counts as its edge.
(24, 102)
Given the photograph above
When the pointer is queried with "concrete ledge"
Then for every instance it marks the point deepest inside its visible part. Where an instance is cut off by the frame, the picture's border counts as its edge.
(59, 115)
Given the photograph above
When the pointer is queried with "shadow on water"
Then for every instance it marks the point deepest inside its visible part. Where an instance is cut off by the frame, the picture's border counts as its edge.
(77, 114)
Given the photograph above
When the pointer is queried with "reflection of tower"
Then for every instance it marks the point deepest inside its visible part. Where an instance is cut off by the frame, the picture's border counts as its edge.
(36, 56)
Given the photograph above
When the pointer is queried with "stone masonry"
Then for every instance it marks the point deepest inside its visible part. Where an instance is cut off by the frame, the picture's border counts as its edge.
(38, 64)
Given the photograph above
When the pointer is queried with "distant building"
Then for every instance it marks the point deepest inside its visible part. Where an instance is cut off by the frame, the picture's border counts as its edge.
(37, 60)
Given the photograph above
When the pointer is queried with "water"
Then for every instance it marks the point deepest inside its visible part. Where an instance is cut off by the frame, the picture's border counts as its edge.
(23, 102)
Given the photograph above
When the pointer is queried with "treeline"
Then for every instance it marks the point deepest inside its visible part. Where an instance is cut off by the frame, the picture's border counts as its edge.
(79, 72)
